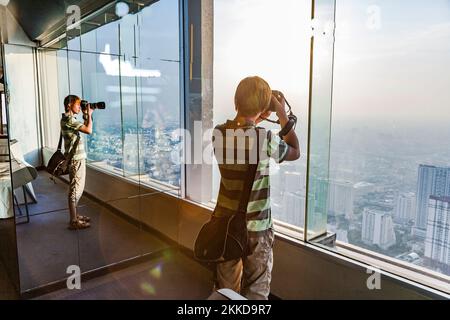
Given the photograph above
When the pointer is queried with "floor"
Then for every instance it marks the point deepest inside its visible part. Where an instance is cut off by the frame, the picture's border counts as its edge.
(7, 290)
(47, 248)
(173, 277)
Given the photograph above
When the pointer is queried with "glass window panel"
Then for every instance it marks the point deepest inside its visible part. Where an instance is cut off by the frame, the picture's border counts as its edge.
(390, 134)
(159, 23)
(108, 38)
(74, 73)
(321, 100)
(89, 41)
(159, 121)
(158, 91)
(101, 83)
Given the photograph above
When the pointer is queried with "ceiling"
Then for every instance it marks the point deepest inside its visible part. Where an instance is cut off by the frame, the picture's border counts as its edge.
(46, 19)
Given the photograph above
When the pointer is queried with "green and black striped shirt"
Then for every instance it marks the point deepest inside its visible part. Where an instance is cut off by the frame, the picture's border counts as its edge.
(70, 127)
(236, 149)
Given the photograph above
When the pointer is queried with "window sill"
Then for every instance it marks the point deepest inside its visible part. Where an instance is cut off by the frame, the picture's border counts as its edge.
(137, 180)
(409, 275)
(409, 271)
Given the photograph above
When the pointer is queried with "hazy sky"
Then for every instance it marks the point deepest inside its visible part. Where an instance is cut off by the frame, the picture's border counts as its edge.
(392, 59)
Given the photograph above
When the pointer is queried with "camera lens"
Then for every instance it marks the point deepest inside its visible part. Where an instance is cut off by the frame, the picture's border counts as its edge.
(98, 105)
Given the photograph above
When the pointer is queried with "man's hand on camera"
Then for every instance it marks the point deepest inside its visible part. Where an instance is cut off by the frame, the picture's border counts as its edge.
(87, 112)
(89, 109)
(279, 103)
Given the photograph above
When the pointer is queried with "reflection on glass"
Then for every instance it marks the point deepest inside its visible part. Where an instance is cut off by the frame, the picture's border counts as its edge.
(40, 205)
(134, 67)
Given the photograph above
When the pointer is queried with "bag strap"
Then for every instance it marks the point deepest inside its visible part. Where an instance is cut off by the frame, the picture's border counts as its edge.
(60, 141)
(75, 145)
(248, 184)
(74, 148)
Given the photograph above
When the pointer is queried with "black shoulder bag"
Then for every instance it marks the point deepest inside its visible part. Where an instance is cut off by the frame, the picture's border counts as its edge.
(56, 163)
(225, 238)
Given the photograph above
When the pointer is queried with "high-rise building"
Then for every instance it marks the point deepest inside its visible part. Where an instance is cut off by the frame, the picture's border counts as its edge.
(378, 228)
(405, 208)
(433, 181)
(340, 199)
(295, 208)
(437, 241)
(130, 160)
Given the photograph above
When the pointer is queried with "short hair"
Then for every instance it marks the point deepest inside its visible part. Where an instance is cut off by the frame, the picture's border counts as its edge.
(253, 96)
(70, 100)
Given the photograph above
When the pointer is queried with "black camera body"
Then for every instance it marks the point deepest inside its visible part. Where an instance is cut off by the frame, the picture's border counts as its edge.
(272, 105)
(96, 105)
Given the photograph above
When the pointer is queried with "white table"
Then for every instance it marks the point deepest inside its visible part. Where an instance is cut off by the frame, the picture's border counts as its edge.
(22, 175)
(6, 205)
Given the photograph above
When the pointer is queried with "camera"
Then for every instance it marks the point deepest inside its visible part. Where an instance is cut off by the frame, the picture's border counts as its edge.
(96, 105)
(272, 105)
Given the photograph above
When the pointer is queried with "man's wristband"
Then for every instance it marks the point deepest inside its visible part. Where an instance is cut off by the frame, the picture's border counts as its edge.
(289, 125)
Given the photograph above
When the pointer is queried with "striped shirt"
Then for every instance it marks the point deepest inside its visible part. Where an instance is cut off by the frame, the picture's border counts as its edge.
(235, 161)
(69, 128)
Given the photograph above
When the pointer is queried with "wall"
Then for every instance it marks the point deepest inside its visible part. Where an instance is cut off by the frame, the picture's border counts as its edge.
(20, 69)
(9, 268)
(23, 107)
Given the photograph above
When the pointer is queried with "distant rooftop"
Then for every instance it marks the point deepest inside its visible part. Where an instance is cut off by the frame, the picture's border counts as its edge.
(439, 198)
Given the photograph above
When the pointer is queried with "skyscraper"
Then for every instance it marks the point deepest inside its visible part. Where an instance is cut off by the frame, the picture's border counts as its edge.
(130, 160)
(405, 209)
(340, 199)
(378, 228)
(433, 181)
(295, 208)
(437, 242)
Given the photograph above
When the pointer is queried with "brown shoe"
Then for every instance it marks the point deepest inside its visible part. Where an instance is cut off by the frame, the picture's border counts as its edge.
(78, 224)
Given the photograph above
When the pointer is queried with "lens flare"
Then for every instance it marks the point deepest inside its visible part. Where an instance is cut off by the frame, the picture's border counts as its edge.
(156, 272)
(148, 288)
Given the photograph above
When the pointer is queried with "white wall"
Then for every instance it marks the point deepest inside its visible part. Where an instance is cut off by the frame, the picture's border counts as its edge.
(20, 75)
(23, 107)
(51, 108)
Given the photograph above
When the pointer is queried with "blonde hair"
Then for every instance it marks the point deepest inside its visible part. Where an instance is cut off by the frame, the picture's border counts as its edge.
(252, 96)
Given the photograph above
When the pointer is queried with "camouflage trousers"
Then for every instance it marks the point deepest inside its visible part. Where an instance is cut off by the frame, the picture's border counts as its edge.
(251, 275)
(77, 178)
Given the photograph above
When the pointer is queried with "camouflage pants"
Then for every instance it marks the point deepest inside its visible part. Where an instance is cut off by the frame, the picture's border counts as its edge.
(251, 275)
(77, 177)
